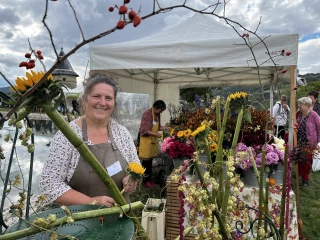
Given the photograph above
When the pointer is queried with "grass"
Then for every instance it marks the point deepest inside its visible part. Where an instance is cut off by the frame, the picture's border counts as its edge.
(309, 205)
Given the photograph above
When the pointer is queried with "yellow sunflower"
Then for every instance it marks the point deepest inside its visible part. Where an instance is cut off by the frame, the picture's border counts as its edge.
(213, 147)
(31, 79)
(180, 134)
(187, 133)
(136, 168)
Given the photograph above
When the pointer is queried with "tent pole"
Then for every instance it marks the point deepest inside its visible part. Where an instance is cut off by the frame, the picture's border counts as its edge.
(155, 81)
(293, 140)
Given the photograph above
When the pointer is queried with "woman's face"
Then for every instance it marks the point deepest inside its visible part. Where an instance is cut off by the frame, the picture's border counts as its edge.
(304, 108)
(100, 102)
(157, 111)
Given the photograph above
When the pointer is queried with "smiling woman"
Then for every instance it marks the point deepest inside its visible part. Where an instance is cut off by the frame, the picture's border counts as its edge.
(67, 179)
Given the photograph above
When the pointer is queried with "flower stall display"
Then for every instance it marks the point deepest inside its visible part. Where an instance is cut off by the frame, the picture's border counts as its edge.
(210, 204)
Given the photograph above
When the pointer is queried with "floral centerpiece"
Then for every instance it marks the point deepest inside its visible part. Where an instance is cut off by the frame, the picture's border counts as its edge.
(273, 156)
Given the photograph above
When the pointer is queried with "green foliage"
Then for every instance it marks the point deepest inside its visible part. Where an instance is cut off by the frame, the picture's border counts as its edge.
(302, 91)
(188, 94)
(310, 205)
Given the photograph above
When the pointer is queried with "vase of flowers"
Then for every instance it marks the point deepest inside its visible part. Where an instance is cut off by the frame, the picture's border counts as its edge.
(273, 160)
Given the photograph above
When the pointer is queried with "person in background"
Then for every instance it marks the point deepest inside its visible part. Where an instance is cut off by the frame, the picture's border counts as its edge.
(149, 134)
(308, 134)
(67, 179)
(75, 106)
(315, 104)
(62, 107)
(280, 115)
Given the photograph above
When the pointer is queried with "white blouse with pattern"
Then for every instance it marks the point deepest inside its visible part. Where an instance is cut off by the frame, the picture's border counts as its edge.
(63, 159)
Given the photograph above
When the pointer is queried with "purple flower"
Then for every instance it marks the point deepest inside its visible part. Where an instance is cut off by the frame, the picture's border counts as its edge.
(272, 158)
(269, 148)
(241, 147)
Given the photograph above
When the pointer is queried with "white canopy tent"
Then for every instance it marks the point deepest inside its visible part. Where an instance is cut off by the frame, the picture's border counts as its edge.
(199, 52)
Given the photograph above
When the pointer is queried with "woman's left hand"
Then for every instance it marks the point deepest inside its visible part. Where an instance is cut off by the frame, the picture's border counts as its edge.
(129, 188)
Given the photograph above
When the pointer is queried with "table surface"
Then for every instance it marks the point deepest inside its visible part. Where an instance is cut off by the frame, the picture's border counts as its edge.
(250, 196)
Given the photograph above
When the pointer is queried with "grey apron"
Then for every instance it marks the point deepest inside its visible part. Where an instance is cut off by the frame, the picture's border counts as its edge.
(85, 180)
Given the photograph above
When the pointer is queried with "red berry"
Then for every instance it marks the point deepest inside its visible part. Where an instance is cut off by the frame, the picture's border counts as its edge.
(123, 9)
(27, 55)
(29, 64)
(23, 64)
(295, 88)
(31, 61)
(132, 14)
(38, 52)
(288, 53)
(136, 21)
(284, 71)
(40, 56)
(111, 9)
(120, 24)
(32, 65)
(126, 1)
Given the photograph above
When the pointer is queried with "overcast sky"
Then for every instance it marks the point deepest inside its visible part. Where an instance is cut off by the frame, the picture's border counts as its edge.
(20, 20)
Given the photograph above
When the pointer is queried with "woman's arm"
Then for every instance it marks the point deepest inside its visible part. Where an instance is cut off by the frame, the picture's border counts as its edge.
(73, 197)
(53, 180)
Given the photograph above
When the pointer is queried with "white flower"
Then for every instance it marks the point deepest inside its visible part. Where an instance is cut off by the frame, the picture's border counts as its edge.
(278, 143)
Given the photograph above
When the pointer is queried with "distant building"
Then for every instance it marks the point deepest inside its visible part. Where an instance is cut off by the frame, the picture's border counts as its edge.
(65, 73)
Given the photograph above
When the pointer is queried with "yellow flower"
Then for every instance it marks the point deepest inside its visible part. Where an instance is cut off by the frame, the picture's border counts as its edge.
(195, 132)
(180, 134)
(187, 133)
(136, 168)
(31, 79)
(213, 147)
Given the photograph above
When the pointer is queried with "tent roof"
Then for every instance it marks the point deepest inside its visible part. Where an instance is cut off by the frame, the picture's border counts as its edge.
(200, 50)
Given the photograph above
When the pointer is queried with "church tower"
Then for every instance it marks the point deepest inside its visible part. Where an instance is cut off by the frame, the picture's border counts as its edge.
(64, 72)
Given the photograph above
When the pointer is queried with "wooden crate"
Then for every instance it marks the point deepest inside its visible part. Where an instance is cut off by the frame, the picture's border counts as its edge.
(172, 213)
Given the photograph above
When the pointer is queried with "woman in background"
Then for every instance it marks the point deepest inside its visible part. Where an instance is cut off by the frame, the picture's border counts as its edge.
(308, 133)
(149, 134)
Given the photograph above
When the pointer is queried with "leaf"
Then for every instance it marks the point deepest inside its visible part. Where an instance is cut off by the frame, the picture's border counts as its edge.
(24, 113)
(247, 115)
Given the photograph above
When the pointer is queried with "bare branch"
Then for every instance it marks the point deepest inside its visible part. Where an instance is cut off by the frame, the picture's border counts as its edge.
(50, 34)
(160, 10)
(5, 78)
(75, 16)
(258, 25)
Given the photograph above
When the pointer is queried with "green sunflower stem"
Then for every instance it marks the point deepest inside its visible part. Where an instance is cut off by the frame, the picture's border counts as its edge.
(85, 152)
(219, 159)
(76, 217)
(218, 114)
(124, 187)
(261, 194)
(236, 133)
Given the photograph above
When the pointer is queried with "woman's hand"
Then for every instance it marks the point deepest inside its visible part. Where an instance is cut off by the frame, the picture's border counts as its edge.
(129, 188)
(104, 200)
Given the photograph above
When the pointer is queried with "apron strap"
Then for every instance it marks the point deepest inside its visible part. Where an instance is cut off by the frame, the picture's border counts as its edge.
(84, 130)
(113, 143)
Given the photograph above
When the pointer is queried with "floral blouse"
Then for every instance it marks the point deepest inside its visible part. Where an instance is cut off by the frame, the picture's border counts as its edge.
(302, 129)
(63, 159)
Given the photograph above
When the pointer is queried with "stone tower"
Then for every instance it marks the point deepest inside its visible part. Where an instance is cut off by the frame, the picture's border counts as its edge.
(64, 72)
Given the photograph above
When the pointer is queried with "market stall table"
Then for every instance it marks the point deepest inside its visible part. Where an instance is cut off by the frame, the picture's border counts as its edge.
(249, 195)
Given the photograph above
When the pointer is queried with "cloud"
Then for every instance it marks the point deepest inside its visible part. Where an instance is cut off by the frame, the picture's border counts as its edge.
(309, 59)
(8, 16)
